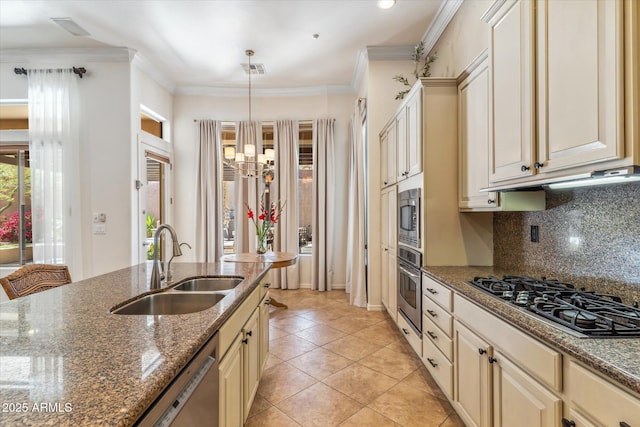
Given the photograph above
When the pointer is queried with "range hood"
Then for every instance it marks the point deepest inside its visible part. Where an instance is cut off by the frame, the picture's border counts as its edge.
(600, 177)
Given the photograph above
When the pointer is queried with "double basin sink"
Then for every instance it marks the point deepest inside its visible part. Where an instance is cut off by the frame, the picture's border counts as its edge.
(189, 296)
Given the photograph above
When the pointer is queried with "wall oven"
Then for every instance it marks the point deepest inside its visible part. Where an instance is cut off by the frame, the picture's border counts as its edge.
(410, 287)
(409, 217)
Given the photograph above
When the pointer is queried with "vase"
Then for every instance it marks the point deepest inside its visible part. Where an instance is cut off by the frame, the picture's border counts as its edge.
(261, 244)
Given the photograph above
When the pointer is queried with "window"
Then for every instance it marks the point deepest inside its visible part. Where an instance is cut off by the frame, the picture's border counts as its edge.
(15, 187)
(228, 193)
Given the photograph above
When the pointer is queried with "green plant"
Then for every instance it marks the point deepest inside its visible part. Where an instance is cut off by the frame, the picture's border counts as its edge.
(150, 252)
(422, 68)
(151, 224)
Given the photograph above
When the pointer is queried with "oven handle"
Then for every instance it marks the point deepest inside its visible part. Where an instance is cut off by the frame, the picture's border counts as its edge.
(408, 273)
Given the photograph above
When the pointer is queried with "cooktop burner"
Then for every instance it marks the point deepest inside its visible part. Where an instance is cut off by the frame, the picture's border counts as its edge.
(589, 313)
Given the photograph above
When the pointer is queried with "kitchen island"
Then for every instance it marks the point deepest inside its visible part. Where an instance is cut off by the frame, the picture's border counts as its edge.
(65, 359)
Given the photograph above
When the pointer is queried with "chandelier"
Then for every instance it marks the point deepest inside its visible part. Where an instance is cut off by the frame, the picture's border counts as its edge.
(249, 164)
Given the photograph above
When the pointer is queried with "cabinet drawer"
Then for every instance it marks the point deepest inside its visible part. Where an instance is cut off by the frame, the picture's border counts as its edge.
(603, 401)
(433, 333)
(437, 292)
(438, 366)
(437, 315)
(231, 328)
(410, 335)
(536, 358)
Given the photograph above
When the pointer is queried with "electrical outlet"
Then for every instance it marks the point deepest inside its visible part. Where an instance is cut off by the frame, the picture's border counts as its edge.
(535, 235)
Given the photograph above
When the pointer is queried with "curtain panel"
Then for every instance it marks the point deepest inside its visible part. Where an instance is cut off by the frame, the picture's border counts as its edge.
(55, 168)
(322, 209)
(209, 237)
(285, 188)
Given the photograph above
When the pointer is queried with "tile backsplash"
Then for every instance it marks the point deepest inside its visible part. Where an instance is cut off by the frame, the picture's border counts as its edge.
(589, 234)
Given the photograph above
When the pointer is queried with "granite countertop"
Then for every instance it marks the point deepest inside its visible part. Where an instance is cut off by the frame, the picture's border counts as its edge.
(616, 358)
(66, 360)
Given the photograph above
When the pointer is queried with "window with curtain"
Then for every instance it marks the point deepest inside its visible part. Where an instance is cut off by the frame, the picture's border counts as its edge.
(305, 182)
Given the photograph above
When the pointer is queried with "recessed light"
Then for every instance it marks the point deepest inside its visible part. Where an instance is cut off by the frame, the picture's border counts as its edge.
(71, 26)
(316, 35)
(386, 4)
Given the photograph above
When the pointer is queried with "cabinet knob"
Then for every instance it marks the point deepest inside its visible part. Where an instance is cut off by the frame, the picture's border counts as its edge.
(492, 359)
(538, 165)
(266, 285)
(250, 333)
(432, 313)
(568, 423)
(406, 332)
(432, 335)
(432, 291)
(524, 168)
(267, 302)
(432, 362)
(385, 183)
(245, 341)
(482, 351)
(623, 424)
(491, 201)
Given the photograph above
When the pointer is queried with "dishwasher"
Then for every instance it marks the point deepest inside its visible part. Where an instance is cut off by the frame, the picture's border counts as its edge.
(192, 397)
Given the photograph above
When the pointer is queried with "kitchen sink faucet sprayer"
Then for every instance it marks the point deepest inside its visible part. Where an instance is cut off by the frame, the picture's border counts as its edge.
(158, 274)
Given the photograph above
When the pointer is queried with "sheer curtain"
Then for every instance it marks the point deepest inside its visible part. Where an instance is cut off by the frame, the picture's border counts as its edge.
(55, 168)
(209, 237)
(285, 188)
(322, 210)
(247, 189)
(356, 278)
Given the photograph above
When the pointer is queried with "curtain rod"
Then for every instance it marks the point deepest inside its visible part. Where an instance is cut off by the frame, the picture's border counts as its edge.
(267, 122)
(76, 70)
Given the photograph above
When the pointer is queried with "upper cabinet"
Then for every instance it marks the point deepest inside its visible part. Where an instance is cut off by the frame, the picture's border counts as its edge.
(413, 142)
(557, 88)
(388, 148)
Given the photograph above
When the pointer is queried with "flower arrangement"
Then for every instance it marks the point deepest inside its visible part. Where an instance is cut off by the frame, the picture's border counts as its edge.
(10, 229)
(265, 221)
(419, 70)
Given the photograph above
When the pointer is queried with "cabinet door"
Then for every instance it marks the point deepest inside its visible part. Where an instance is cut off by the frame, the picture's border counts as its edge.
(580, 82)
(519, 400)
(384, 169)
(392, 217)
(384, 276)
(230, 392)
(251, 360)
(384, 218)
(414, 133)
(401, 146)
(472, 377)
(264, 332)
(511, 114)
(392, 288)
(473, 131)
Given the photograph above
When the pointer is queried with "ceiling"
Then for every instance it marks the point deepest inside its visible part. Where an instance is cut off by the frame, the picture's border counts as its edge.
(200, 44)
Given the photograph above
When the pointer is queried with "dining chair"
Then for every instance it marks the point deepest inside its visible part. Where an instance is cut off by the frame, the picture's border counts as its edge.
(34, 278)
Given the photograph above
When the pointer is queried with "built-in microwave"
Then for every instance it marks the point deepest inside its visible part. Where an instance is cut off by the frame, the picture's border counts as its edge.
(409, 217)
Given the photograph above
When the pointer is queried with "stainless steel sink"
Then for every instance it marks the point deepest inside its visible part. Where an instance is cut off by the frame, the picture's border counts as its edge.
(209, 284)
(170, 303)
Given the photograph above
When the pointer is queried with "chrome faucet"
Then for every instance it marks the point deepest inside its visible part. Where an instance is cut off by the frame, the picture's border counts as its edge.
(158, 273)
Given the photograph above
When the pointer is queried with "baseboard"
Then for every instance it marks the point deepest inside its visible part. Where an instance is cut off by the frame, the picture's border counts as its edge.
(379, 307)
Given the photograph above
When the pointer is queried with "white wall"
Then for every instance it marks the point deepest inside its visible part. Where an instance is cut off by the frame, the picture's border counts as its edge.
(189, 108)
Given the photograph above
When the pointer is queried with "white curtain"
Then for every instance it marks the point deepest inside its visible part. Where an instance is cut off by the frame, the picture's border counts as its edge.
(209, 236)
(285, 188)
(322, 207)
(356, 277)
(55, 168)
(247, 189)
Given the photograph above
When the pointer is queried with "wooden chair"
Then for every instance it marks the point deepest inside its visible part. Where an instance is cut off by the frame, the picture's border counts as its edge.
(35, 278)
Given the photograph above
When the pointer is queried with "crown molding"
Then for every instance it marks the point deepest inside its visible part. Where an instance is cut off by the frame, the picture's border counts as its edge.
(41, 55)
(477, 62)
(390, 53)
(444, 15)
(153, 72)
(233, 92)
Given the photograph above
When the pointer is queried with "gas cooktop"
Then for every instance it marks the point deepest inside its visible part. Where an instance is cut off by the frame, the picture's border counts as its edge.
(589, 313)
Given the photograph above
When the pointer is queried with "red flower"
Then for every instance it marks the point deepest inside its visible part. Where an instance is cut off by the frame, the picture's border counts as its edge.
(250, 213)
(262, 216)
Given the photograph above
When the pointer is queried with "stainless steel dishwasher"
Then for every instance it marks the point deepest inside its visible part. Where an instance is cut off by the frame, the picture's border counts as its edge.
(192, 398)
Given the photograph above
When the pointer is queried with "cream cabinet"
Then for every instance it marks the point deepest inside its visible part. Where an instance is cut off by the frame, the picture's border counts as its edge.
(473, 134)
(609, 406)
(388, 233)
(388, 155)
(503, 377)
(556, 89)
(243, 351)
(409, 131)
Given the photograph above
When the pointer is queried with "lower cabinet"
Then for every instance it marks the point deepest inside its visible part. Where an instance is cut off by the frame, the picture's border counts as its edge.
(244, 346)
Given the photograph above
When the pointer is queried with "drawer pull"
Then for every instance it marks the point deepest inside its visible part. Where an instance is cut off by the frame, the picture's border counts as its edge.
(623, 424)
(266, 285)
(432, 335)
(431, 362)
(267, 301)
(406, 332)
(524, 168)
(432, 291)
(245, 341)
(432, 313)
(568, 423)
(482, 351)
(250, 333)
(492, 359)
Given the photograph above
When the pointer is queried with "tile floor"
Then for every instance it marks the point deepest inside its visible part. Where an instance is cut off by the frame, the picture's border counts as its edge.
(332, 364)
